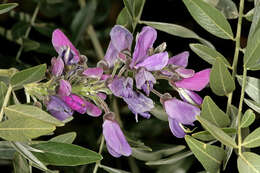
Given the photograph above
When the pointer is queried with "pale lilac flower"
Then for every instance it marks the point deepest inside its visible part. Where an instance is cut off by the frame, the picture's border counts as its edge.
(121, 39)
(92, 109)
(144, 80)
(64, 88)
(57, 66)
(58, 108)
(179, 113)
(95, 72)
(116, 142)
(64, 47)
(103, 96)
(180, 60)
(122, 87)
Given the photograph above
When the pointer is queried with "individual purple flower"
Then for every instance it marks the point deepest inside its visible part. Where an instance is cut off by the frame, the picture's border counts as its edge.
(92, 109)
(116, 142)
(93, 72)
(64, 47)
(58, 108)
(121, 39)
(64, 88)
(76, 103)
(103, 96)
(122, 87)
(57, 66)
(193, 97)
(144, 80)
(179, 113)
(180, 60)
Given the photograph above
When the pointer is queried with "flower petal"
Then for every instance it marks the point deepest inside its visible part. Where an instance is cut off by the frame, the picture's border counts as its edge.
(65, 88)
(175, 128)
(93, 72)
(180, 59)
(142, 76)
(75, 103)
(194, 96)
(121, 38)
(181, 111)
(92, 109)
(185, 73)
(122, 87)
(154, 62)
(196, 82)
(145, 40)
(57, 66)
(115, 139)
(59, 41)
(111, 55)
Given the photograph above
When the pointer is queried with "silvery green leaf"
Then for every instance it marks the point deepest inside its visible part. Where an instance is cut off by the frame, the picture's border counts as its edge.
(248, 162)
(253, 139)
(247, 119)
(252, 104)
(7, 7)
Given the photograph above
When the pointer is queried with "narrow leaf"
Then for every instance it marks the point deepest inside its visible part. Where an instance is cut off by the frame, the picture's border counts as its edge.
(253, 139)
(252, 87)
(112, 170)
(221, 81)
(217, 132)
(209, 18)
(249, 15)
(3, 90)
(29, 75)
(212, 113)
(30, 45)
(4, 8)
(124, 19)
(20, 164)
(208, 54)
(159, 113)
(177, 30)
(248, 162)
(247, 119)
(252, 104)
(206, 136)
(255, 21)
(63, 154)
(129, 4)
(28, 111)
(6, 150)
(65, 138)
(138, 8)
(209, 156)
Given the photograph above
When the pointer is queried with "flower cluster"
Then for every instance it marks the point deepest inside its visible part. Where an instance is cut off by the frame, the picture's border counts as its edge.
(129, 75)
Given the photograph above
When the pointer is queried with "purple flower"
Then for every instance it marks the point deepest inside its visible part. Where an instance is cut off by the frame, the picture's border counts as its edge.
(195, 98)
(58, 108)
(64, 47)
(180, 60)
(65, 88)
(103, 96)
(76, 103)
(116, 142)
(144, 80)
(92, 109)
(57, 66)
(121, 39)
(122, 87)
(179, 113)
(93, 72)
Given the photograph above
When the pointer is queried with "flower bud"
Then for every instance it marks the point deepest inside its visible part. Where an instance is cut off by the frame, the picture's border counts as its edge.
(65, 88)
(57, 66)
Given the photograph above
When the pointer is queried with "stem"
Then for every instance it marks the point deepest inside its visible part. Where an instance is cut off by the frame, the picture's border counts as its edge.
(133, 166)
(7, 97)
(240, 111)
(99, 152)
(157, 93)
(236, 54)
(103, 104)
(36, 10)
(97, 46)
(122, 70)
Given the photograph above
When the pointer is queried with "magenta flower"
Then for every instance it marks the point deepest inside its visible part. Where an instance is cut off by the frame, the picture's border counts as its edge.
(116, 142)
(64, 88)
(58, 108)
(64, 47)
(96, 72)
(121, 40)
(57, 66)
(179, 113)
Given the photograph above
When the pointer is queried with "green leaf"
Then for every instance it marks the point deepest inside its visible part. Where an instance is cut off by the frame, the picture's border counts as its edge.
(208, 54)
(252, 87)
(170, 160)
(3, 90)
(112, 170)
(209, 18)
(253, 139)
(177, 30)
(6, 151)
(255, 21)
(20, 164)
(138, 8)
(23, 129)
(155, 155)
(209, 156)
(249, 15)
(248, 162)
(19, 29)
(29, 45)
(65, 138)
(63, 154)
(82, 19)
(211, 112)
(7, 7)
(251, 57)
(159, 112)
(252, 104)
(27, 111)
(217, 132)
(135, 143)
(29, 75)
(206, 136)
(124, 19)
(129, 4)
(247, 119)
(221, 81)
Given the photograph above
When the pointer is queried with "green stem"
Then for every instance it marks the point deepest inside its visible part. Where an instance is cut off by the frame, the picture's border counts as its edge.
(7, 97)
(97, 46)
(99, 152)
(240, 111)
(36, 10)
(236, 54)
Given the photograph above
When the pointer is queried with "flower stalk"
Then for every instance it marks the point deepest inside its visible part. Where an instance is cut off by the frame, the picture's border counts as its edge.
(7, 97)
